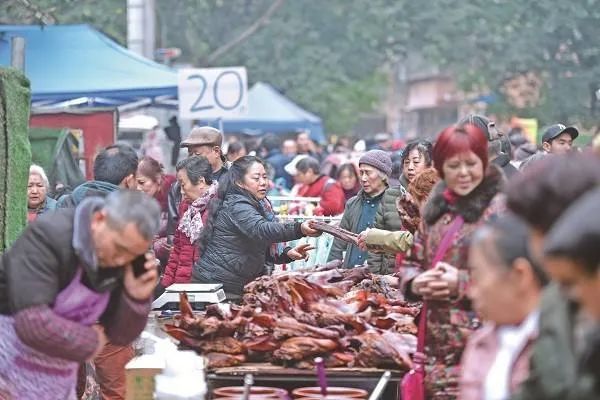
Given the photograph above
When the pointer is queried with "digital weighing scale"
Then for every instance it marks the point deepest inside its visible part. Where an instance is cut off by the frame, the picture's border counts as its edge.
(199, 294)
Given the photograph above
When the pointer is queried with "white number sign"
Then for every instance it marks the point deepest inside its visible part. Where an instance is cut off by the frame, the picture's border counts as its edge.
(212, 92)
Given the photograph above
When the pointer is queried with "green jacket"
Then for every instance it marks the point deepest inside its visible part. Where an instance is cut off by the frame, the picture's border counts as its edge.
(387, 219)
(349, 222)
(553, 363)
(587, 386)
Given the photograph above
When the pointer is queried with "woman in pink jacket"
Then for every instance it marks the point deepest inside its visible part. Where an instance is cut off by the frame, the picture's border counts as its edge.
(506, 285)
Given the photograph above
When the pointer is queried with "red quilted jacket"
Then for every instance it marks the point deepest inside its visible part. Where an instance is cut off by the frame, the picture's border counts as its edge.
(183, 255)
(331, 193)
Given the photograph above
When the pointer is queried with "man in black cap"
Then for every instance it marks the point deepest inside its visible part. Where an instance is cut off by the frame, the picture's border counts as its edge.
(558, 138)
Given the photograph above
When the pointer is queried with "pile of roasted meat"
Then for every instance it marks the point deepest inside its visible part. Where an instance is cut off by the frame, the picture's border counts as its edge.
(351, 318)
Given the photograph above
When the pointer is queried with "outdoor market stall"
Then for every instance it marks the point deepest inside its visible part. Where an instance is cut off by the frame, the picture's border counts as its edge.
(356, 321)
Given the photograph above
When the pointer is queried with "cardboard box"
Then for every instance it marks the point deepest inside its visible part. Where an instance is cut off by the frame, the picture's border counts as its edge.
(139, 377)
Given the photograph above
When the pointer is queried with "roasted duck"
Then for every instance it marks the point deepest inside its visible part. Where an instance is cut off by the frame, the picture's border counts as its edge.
(348, 317)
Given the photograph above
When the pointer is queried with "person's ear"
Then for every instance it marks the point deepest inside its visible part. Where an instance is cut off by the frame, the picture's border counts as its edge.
(522, 271)
(128, 182)
(132, 181)
(546, 146)
(98, 218)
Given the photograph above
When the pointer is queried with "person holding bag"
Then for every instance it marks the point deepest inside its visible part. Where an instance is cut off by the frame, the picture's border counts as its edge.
(436, 270)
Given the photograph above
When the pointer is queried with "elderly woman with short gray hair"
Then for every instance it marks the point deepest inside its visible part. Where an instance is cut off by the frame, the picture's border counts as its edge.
(375, 167)
(38, 201)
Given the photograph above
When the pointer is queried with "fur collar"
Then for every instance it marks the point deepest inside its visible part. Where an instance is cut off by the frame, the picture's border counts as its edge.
(472, 206)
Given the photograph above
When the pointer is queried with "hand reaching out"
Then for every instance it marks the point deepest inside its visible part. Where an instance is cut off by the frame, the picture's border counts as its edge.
(308, 230)
(362, 240)
(300, 252)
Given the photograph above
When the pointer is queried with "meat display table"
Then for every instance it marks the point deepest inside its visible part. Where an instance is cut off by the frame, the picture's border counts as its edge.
(292, 378)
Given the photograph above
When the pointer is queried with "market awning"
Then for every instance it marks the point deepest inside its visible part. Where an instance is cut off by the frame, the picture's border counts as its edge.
(78, 65)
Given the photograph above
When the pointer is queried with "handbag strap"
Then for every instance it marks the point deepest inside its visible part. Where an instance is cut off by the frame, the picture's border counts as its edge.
(442, 249)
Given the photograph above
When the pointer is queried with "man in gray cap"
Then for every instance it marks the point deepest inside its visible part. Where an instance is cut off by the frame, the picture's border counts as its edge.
(558, 138)
(375, 168)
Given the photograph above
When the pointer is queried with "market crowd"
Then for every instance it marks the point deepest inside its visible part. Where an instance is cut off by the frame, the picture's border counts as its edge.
(495, 236)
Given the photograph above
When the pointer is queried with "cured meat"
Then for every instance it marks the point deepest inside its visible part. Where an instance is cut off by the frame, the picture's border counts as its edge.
(325, 277)
(348, 317)
(400, 323)
(227, 345)
(221, 360)
(334, 264)
(299, 348)
(288, 327)
(335, 231)
(212, 326)
(339, 359)
(264, 343)
(223, 311)
(357, 274)
(385, 350)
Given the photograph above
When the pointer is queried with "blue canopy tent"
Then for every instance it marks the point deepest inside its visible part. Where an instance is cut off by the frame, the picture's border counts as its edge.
(77, 66)
(270, 111)
(71, 65)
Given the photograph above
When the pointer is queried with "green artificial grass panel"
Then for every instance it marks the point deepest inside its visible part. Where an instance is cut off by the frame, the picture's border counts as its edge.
(3, 162)
(15, 153)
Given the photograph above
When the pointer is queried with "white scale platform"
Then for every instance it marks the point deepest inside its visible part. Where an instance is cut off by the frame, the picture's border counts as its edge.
(198, 293)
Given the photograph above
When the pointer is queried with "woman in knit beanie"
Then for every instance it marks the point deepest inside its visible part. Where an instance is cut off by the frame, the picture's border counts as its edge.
(375, 167)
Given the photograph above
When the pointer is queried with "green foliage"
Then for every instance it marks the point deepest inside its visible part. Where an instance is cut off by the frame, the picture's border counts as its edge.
(109, 16)
(308, 50)
(487, 42)
(326, 54)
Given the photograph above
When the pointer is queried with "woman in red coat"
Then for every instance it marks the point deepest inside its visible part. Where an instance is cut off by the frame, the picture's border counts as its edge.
(468, 195)
(197, 190)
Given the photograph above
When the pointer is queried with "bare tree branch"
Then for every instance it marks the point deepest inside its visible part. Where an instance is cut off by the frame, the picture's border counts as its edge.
(259, 23)
(39, 15)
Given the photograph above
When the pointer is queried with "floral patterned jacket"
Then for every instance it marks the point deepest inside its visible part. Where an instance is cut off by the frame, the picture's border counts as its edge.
(449, 323)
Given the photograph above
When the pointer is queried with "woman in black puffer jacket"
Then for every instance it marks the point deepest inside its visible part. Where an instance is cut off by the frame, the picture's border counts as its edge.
(238, 234)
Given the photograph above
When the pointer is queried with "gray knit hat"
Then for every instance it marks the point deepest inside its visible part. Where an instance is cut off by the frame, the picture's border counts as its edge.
(378, 159)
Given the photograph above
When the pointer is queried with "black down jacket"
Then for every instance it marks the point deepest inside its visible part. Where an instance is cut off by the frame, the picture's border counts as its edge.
(236, 253)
